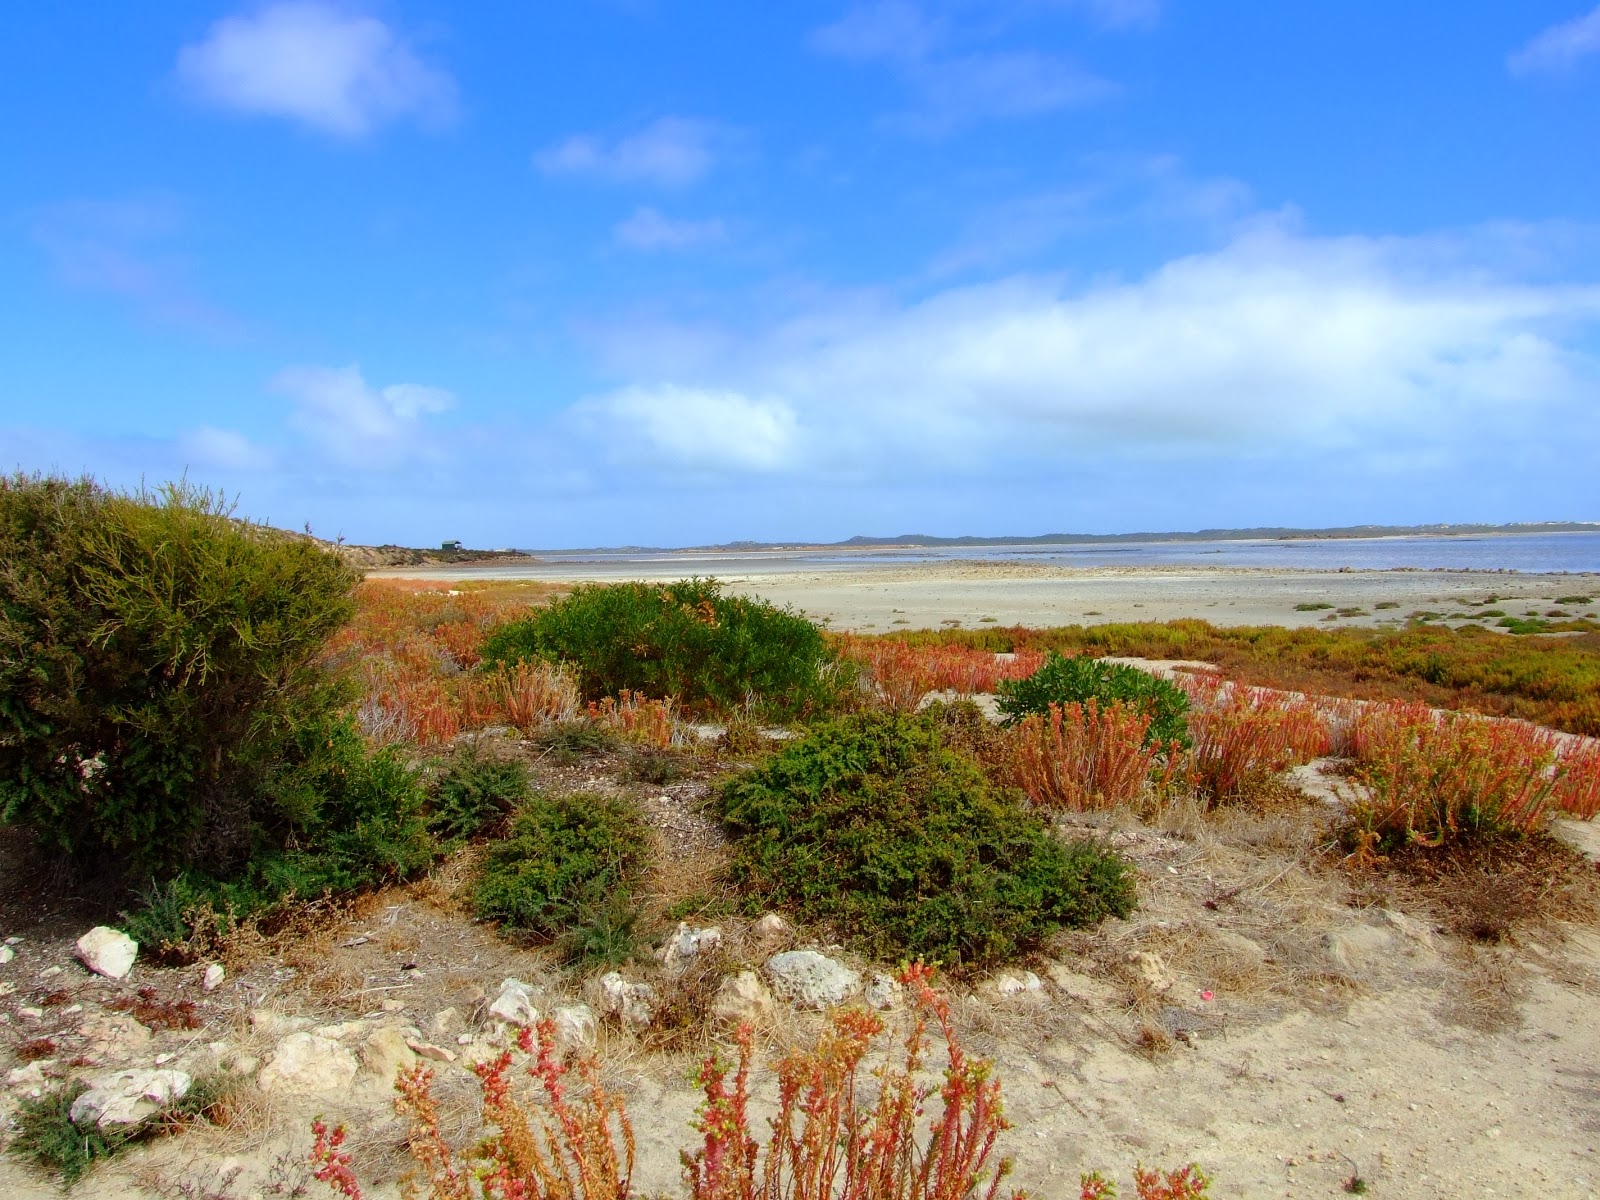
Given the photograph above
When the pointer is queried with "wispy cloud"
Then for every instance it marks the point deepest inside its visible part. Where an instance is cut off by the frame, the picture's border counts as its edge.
(126, 248)
(1119, 14)
(668, 152)
(1560, 48)
(1276, 343)
(647, 229)
(339, 72)
(355, 423)
(953, 89)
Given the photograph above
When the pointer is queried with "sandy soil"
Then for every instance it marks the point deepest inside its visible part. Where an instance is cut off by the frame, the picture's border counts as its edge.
(928, 595)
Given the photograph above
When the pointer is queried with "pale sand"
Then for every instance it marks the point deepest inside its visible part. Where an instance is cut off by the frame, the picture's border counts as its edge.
(975, 593)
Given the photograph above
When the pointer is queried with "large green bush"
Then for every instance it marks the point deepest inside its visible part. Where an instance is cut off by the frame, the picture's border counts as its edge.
(159, 683)
(566, 874)
(869, 824)
(684, 640)
(1077, 680)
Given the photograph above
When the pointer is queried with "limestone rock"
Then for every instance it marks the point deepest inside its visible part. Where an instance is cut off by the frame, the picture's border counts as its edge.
(125, 1098)
(28, 1080)
(633, 1003)
(812, 979)
(386, 1053)
(1152, 970)
(771, 927)
(576, 1028)
(429, 1051)
(112, 1035)
(213, 977)
(308, 1063)
(7, 954)
(269, 1023)
(446, 1023)
(743, 997)
(686, 943)
(514, 1004)
(108, 952)
(1009, 984)
(885, 992)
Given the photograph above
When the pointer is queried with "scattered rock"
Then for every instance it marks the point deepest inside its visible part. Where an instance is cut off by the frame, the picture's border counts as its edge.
(685, 943)
(633, 1003)
(308, 1062)
(1017, 983)
(771, 927)
(812, 979)
(213, 977)
(576, 1028)
(393, 1004)
(430, 1051)
(743, 997)
(446, 1023)
(1357, 946)
(128, 1098)
(108, 952)
(1417, 931)
(29, 1013)
(29, 1080)
(386, 1053)
(1152, 970)
(112, 1035)
(7, 954)
(514, 1004)
(885, 992)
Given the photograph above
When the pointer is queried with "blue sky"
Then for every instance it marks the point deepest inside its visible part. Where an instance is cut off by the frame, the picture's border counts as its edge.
(643, 272)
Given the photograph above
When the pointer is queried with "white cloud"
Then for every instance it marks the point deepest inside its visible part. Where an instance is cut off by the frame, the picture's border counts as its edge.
(355, 423)
(227, 448)
(698, 430)
(1120, 14)
(1559, 48)
(1276, 344)
(668, 152)
(336, 71)
(648, 229)
(952, 89)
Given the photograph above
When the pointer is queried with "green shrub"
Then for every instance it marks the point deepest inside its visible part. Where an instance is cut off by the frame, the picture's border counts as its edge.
(566, 872)
(870, 825)
(472, 790)
(684, 640)
(1080, 679)
(158, 667)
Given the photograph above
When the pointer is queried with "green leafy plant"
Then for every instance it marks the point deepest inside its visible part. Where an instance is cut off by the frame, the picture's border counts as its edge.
(871, 825)
(158, 665)
(473, 789)
(1311, 607)
(1062, 681)
(686, 641)
(566, 871)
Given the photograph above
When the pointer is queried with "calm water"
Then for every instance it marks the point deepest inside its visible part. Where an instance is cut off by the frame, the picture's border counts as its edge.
(1529, 553)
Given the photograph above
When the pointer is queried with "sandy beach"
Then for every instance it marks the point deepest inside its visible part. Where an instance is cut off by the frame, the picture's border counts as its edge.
(880, 598)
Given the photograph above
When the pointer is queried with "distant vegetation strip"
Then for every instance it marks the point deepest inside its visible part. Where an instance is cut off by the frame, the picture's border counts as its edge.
(1553, 682)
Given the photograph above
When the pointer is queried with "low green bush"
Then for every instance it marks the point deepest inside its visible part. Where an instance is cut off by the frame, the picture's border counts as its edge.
(472, 790)
(1077, 680)
(566, 874)
(685, 640)
(870, 825)
(158, 667)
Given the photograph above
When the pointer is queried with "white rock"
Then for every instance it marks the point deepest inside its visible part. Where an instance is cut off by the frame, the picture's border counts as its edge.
(576, 1028)
(687, 942)
(1152, 969)
(30, 1013)
(633, 1003)
(7, 954)
(393, 1004)
(743, 997)
(885, 992)
(270, 1023)
(386, 1053)
(812, 979)
(128, 1097)
(28, 1079)
(13, 941)
(771, 927)
(308, 1063)
(108, 952)
(430, 1051)
(111, 1035)
(1017, 983)
(213, 977)
(447, 1022)
(514, 1004)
